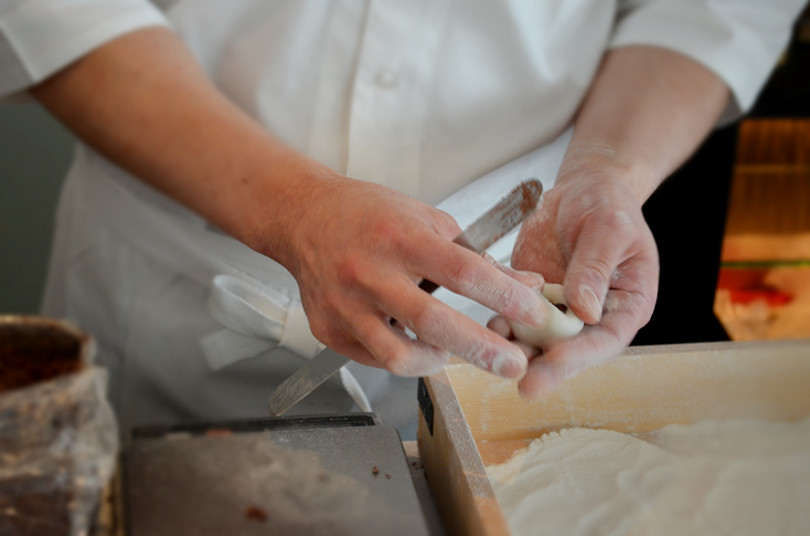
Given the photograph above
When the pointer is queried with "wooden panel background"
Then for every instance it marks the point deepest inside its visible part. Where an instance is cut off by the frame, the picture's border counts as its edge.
(770, 191)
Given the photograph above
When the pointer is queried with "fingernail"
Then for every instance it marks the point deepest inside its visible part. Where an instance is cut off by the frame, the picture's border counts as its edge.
(509, 364)
(590, 301)
(533, 280)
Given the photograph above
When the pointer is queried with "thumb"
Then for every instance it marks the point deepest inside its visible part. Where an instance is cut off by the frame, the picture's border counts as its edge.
(591, 268)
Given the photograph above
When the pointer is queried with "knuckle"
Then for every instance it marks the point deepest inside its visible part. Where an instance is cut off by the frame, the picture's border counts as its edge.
(464, 274)
(445, 224)
(421, 317)
(324, 331)
(482, 356)
(506, 299)
(395, 360)
(349, 270)
(386, 230)
(600, 267)
(620, 219)
(509, 300)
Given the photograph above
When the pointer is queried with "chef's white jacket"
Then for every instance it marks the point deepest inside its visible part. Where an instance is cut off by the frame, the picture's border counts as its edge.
(449, 101)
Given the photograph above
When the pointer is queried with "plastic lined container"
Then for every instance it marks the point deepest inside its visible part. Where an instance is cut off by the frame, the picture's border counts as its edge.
(58, 434)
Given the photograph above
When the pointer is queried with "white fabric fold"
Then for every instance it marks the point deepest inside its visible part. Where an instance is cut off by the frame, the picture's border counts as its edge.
(296, 334)
(354, 389)
(257, 318)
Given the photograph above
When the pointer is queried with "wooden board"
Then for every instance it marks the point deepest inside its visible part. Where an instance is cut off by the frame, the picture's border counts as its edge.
(479, 419)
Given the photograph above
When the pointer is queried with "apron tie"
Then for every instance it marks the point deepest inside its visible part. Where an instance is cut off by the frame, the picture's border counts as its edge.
(258, 318)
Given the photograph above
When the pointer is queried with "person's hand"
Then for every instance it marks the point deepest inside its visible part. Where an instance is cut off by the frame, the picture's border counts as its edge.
(590, 235)
(359, 250)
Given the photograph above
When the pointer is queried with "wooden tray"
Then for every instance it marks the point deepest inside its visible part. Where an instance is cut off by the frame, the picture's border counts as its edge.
(471, 419)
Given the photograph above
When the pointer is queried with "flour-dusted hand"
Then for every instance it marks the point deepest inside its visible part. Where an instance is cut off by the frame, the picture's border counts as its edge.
(645, 113)
(590, 235)
(359, 250)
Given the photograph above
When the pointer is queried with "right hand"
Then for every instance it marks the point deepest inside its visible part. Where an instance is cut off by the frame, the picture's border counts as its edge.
(358, 251)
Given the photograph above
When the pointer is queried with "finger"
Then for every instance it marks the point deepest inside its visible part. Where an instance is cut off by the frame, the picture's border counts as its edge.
(445, 225)
(532, 280)
(565, 359)
(598, 251)
(529, 351)
(439, 325)
(595, 345)
(393, 350)
(501, 326)
(468, 274)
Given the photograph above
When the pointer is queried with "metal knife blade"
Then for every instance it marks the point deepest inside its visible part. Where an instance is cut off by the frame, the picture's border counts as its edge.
(482, 233)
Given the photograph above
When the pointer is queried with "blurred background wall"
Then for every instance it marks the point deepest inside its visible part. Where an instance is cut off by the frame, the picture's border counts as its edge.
(35, 151)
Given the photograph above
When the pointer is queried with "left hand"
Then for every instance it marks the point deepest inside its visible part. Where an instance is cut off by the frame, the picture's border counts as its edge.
(590, 235)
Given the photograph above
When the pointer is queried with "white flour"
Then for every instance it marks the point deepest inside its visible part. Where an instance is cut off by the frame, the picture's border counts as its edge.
(715, 477)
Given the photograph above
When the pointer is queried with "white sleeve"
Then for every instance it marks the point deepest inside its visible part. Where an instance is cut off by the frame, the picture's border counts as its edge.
(39, 37)
(739, 40)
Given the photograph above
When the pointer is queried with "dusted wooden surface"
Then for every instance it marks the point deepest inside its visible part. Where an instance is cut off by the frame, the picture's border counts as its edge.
(455, 472)
(479, 419)
(648, 388)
